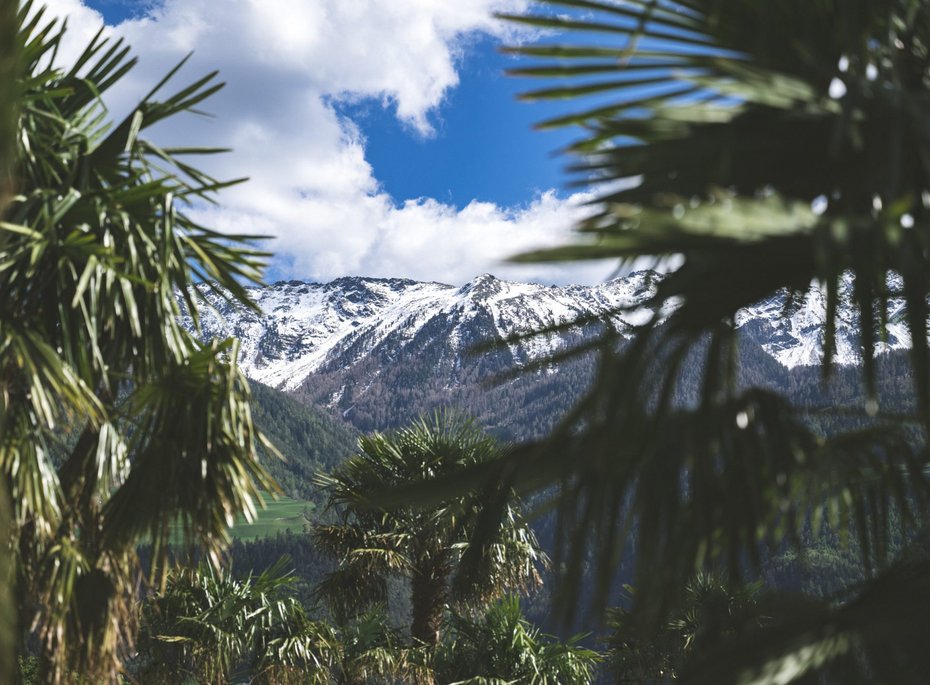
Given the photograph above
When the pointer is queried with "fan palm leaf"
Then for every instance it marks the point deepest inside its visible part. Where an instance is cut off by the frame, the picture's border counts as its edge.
(115, 421)
(761, 148)
(425, 544)
(501, 646)
(207, 622)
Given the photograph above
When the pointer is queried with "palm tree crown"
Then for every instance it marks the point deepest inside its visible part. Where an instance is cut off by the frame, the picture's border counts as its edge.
(424, 544)
(501, 646)
(115, 422)
(209, 625)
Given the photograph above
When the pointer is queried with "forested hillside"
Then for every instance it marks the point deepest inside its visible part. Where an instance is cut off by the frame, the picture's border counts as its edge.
(515, 404)
(310, 440)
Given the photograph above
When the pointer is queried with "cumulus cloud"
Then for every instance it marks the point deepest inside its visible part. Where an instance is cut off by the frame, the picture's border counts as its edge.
(422, 239)
(285, 62)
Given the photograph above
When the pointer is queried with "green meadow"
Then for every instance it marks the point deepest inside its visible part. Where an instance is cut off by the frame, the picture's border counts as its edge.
(278, 516)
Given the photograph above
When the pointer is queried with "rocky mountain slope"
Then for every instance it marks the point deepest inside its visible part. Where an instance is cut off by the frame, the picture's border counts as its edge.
(306, 328)
(380, 351)
(792, 331)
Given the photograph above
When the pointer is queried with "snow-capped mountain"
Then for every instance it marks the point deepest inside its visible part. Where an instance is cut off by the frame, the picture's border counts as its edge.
(380, 351)
(792, 331)
(308, 327)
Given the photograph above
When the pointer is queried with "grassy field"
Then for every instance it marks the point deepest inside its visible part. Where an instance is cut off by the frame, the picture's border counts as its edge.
(280, 515)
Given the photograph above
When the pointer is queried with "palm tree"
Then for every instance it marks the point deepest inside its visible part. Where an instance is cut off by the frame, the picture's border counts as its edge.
(9, 65)
(206, 623)
(372, 652)
(425, 545)
(208, 626)
(115, 422)
(501, 646)
(712, 612)
(751, 149)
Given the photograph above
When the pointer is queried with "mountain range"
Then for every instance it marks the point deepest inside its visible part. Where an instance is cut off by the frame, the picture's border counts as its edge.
(377, 352)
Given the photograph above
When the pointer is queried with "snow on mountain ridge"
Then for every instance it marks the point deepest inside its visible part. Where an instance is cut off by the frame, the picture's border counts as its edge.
(795, 330)
(308, 327)
(305, 326)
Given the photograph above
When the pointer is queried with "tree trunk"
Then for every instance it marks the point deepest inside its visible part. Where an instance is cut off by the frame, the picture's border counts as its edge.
(429, 591)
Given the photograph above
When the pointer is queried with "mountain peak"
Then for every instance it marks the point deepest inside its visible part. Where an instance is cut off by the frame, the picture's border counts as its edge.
(482, 286)
(307, 327)
(371, 280)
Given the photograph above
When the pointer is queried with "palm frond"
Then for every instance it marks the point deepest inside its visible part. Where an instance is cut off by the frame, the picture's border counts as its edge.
(501, 646)
(196, 458)
(378, 537)
(869, 639)
(95, 252)
(766, 147)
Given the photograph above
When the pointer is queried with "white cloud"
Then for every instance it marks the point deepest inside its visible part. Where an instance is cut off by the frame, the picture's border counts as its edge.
(422, 239)
(311, 187)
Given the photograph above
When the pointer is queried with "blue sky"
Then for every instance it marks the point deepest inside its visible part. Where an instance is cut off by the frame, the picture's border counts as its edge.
(382, 137)
(117, 11)
(484, 146)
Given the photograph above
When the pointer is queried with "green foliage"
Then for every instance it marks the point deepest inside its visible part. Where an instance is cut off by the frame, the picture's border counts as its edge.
(29, 670)
(209, 627)
(499, 646)
(8, 625)
(869, 637)
(310, 441)
(9, 97)
(309, 563)
(94, 249)
(372, 652)
(426, 545)
(278, 515)
(206, 623)
(756, 147)
(713, 611)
